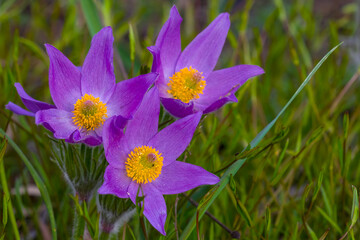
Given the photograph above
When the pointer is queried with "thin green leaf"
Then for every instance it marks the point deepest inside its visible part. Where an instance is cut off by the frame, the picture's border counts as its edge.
(203, 202)
(315, 135)
(87, 218)
(132, 49)
(268, 219)
(305, 195)
(97, 227)
(325, 234)
(132, 43)
(311, 232)
(35, 48)
(355, 206)
(346, 125)
(243, 212)
(77, 204)
(232, 184)
(261, 135)
(5, 209)
(328, 218)
(294, 235)
(10, 212)
(39, 183)
(281, 157)
(318, 186)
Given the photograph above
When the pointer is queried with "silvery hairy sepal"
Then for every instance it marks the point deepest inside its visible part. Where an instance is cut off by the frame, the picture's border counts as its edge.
(83, 166)
(114, 212)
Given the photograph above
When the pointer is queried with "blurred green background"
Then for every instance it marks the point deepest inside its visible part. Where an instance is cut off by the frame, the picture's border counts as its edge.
(296, 185)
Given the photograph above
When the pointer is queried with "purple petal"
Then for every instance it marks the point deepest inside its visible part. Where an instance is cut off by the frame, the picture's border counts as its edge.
(92, 141)
(18, 110)
(221, 83)
(180, 177)
(120, 122)
(115, 143)
(154, 204)
(144, 125)
(90, 138)
(203, 52)
(74, 137)
(31, 104)
(128, 95)
(161, 82)
(173, 140)
(177, 108)
(64, 80)
(116, 182)
(169, 42)
(59, 120)
(221, 102)
(97, 71)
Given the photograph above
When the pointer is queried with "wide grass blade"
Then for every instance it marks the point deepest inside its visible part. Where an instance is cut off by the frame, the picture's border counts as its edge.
(91, 16)
(233, 169)
(39, 182)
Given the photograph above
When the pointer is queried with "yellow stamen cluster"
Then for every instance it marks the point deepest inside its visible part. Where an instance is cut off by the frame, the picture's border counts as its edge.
(89, 112)
(144, 164)
(186, 84)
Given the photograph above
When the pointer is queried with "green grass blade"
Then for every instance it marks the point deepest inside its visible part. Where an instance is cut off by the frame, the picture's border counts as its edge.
(91, 16)
(39, 182)
(355, 207)
(328, 218)
(261, 135)
(323, 237)
(132, 49)
(311, 232)
(95, 24)
(5, 204)
(233, 169)
(7, 208)
(240, 207)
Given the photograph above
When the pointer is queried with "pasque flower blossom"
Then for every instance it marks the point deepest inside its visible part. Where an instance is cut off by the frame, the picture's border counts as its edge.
(143, 157)
(85, 97)
(187, 81)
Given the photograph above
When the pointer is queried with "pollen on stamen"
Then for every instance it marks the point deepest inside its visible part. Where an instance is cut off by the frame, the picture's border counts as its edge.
(144, 164)
(186, 84)
(89, 112)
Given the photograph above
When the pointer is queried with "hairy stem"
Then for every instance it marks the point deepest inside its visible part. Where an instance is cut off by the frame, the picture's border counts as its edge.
(78, 226)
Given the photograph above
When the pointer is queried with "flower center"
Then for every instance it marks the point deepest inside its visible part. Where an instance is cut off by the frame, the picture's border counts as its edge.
(144, 164)
(89, 112)
(186, 84)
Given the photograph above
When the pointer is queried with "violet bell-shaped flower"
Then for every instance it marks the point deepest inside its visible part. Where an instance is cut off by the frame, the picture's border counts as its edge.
(85, 97)
(187, 81)
(146, 158)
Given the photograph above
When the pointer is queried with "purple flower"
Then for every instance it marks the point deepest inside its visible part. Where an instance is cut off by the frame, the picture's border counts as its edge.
(187, 82)
(85, 97)
(146, 158)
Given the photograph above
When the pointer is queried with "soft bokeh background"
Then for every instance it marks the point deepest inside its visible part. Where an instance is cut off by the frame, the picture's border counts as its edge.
(301, 177)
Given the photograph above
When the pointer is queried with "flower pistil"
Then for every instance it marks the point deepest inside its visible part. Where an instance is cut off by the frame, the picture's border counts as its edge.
(186, 84)
(89, 112)
(144, 164)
